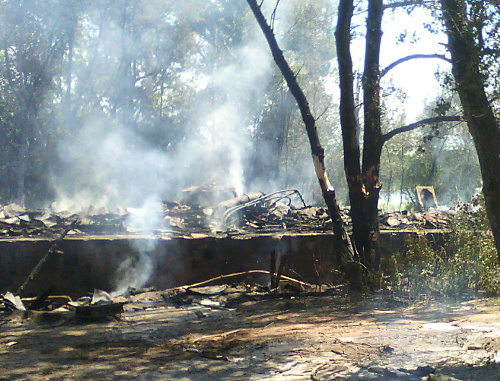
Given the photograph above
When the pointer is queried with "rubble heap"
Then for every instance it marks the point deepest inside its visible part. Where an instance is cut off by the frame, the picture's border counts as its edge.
(249, 214)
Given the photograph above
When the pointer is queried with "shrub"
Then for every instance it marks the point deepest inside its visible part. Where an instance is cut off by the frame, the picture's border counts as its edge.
(466, 261)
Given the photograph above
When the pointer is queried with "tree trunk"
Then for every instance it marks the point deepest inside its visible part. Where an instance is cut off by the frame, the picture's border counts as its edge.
(342, 242)
(363, 182)
(372, 140)
(481, 121)
(348, 120)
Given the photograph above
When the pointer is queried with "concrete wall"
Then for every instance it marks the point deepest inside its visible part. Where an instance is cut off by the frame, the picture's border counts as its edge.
(99, 262)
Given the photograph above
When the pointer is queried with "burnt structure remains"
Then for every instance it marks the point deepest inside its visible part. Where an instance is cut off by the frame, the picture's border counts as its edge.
(109, 250)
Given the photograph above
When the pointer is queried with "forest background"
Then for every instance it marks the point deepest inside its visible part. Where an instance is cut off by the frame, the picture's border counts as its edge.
(117, 103)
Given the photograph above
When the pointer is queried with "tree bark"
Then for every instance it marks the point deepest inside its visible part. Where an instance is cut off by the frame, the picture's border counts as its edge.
(348, 120)
(372, 140)
(342, 242)
(363, 181)
(481, 120)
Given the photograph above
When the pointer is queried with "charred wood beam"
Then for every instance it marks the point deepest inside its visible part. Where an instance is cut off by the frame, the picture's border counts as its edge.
(281, 267)
(273, 270)
(39, 301)
(276, 271)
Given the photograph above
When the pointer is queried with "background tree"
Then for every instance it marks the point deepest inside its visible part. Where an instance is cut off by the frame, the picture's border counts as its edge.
(422, 157)
(34, 36)
(362, 168)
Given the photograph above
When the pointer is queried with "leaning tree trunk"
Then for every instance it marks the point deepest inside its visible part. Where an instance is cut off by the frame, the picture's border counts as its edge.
(481, 120)
(342, 242)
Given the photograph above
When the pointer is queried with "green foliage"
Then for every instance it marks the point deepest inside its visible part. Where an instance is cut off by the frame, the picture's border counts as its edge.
(423, 157)
(465, 261)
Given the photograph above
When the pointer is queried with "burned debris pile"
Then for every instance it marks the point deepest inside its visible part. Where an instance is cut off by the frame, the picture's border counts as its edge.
(255, 213)
(11, 302)
(230, 295)
(420, 220)
(99, 305)
(223, 292)
(17, 221)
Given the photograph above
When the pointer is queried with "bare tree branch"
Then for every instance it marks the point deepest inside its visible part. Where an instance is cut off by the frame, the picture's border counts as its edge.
(273, 15)
(494, 99)
(147, 75)
(490, 51)
(323, 112)
(420, 123)
(412, 57)
(407, 3)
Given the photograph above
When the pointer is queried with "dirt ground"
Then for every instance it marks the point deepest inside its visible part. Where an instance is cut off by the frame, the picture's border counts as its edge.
(333, 337)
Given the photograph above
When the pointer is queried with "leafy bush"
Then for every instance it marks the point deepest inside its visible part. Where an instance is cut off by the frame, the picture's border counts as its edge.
(465, 261)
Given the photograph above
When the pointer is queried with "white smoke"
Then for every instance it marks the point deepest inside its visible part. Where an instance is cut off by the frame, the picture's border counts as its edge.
(226, 127)
(223, 144)
(109, 165)
(136, 272)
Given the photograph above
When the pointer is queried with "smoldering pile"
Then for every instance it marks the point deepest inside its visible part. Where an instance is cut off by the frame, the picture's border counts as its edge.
(256, 213)
(17, 221)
